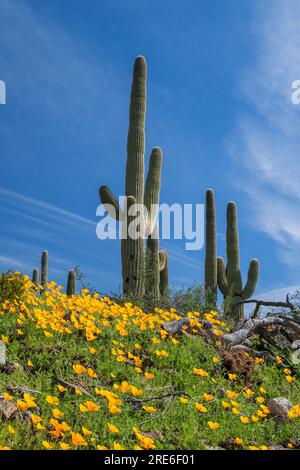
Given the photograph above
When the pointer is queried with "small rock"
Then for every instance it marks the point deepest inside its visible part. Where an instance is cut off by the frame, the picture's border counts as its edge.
(155, 435)
(7, 409)
(2, 354)
(278, 447)
(279, 408)
(11, 367)
(222, 392)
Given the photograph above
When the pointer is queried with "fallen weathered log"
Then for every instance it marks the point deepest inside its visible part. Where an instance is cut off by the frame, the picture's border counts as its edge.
(256, 327)
(239, 337)
(184, 326)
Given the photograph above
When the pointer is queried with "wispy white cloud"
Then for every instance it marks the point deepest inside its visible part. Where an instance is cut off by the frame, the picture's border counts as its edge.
(266, 145)
(7, 262)
(34, 225)
(45, 209)
(180, 256)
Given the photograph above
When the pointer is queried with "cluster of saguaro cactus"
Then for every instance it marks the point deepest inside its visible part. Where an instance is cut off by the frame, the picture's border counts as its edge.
(141, 270)
(228, 279)
(42, 282)
(145, 271)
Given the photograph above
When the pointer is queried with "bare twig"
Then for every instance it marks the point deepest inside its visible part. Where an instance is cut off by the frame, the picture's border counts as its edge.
(72, 386)
(268, 303)
(19, 389)
(136, 401)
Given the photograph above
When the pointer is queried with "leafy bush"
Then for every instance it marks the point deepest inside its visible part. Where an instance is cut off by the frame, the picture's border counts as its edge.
(12, 286)
(191, 299)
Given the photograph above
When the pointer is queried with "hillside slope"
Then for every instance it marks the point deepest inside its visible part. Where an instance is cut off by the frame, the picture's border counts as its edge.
(84, 372)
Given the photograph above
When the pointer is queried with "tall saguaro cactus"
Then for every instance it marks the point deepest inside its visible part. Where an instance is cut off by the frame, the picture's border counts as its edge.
(136, 275)
(210, 250)
(44, 270)
(230, 279)
(71, 286)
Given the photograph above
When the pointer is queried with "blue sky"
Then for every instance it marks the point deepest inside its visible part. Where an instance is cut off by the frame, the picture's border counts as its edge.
(219, 105)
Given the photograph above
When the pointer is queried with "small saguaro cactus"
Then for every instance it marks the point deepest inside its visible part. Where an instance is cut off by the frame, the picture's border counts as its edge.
(35, 277)
(44, 270)
(230, 279)
(210, 251)
(134, 258)
(164, 274)
(71, 286)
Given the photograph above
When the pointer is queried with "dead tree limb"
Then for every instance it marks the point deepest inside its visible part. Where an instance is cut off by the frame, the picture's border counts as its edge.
(267, 303)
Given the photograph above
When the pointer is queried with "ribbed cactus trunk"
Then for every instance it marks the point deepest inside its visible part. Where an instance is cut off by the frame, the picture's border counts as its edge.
(44, 270)
(164, 274)
(151, 200)
(234, 277)
(133, 254)
(230, 279)
(210, 251)
(71, 285)
(35, 277)
(134, 265)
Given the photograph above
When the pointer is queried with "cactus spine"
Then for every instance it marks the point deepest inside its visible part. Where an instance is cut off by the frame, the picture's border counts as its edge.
(71, 286)
(35, 277)
(230, 279)
(44, 270)
(136, 275)
(210, 250)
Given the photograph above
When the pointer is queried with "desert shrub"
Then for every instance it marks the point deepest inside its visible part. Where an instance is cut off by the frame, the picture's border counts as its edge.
(191, 299)
(12, 286)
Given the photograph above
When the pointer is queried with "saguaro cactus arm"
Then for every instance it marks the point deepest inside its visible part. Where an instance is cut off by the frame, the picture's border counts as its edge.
(222, 278)
(152, 189)
(163, 259)
(108, 200)
(151, 201)
(164, 273)
(252, 278)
